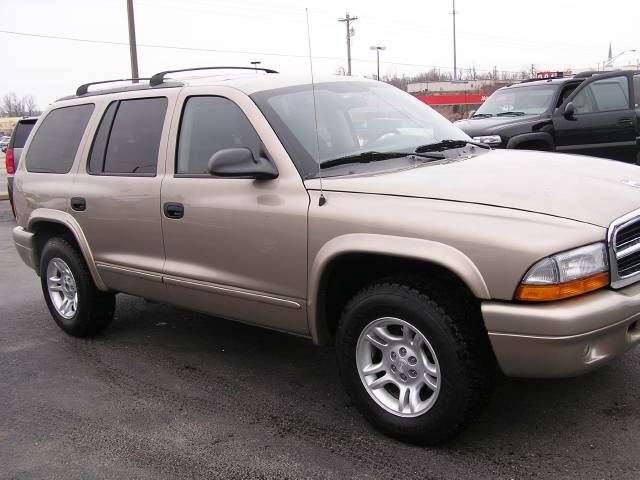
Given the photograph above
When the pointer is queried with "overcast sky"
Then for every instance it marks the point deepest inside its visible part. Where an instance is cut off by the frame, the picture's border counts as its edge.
(509, 34)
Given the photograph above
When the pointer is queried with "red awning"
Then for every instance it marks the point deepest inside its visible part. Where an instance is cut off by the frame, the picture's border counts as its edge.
(452, 99)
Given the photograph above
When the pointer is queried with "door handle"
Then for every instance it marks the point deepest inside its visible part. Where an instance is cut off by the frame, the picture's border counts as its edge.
(173, 210)
(79, 204)
(625, 122)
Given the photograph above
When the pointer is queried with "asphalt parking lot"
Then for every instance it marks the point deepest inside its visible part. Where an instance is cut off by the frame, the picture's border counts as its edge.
(165, 393)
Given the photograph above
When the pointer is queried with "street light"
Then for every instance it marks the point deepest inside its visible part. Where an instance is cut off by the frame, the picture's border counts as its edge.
(377, 48)
(610, 62)
(255, 64)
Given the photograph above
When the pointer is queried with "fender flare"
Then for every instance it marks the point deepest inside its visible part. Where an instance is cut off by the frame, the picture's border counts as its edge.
(40, 215)
(528, 137)
(401, 247)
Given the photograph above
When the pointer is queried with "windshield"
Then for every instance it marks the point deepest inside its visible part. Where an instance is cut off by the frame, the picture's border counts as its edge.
(353, 117)
(524, 100)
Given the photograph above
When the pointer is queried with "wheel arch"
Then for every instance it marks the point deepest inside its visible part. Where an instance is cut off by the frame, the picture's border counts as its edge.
(46, 223)
(541, 138)
(376, 257)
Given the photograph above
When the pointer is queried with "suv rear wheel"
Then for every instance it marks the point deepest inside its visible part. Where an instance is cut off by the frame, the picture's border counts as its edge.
(76, 305)
(417, 369)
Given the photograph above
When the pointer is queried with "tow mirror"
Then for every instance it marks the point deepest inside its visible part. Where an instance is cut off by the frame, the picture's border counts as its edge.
(240, 162)
(569, 111)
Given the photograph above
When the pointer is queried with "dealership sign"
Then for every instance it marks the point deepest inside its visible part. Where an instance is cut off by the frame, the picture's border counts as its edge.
(543, 75)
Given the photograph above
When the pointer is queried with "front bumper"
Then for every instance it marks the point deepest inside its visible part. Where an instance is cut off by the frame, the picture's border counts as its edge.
(23, 241)
(564, 338)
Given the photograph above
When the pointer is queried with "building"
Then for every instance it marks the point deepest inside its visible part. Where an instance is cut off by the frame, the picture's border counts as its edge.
(7, 124)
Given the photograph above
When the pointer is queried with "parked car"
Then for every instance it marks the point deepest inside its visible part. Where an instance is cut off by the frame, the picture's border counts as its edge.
(426, 259)
(4, 141)
(14, 151)
(591, 113)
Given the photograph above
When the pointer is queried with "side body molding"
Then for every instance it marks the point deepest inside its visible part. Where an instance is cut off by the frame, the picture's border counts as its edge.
(57, 216)
(388, 245)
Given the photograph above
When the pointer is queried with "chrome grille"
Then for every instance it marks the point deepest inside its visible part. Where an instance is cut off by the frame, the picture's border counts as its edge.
(624, 250)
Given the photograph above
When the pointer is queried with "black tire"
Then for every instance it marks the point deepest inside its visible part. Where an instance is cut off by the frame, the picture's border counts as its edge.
(95, 308)
(459, 340)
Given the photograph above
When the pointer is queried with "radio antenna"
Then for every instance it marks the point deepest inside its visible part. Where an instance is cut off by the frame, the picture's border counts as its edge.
(321, 200)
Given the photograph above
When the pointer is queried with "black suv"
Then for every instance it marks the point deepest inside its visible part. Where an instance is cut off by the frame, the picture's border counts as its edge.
(592, 113)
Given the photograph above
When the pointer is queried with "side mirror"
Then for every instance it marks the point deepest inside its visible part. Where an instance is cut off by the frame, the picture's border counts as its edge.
(239, 162)
(471, 113)
(569, 111)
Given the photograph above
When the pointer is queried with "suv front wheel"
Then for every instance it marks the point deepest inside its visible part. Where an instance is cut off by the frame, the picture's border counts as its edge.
(76, 305)
(418, 369)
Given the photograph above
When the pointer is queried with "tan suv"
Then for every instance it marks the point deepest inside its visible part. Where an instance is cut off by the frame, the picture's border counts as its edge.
(347, 212)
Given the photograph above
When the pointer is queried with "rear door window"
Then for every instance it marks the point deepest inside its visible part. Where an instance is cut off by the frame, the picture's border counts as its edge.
(56, 141)
(135, 135)
(636, 87)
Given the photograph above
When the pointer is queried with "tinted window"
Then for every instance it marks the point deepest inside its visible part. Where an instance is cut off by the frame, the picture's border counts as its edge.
(210, 124)
(636, 87)
(135, 136)
(21, 133)
(603, 95)
(56, 141)
(531, 100)
(99, 147)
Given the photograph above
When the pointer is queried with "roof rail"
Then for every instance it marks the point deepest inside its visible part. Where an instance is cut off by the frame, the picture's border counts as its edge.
(527, 80)
(84, 89)
(158, 78)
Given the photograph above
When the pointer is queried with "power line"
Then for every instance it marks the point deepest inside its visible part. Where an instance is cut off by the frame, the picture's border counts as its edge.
(238, 52)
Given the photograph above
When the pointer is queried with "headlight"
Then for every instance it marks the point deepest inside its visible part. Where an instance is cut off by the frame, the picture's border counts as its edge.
(489, 139)
(566, 274)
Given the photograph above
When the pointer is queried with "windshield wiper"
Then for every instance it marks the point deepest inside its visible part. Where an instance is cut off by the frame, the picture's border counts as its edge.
(504, 114)
(448, 145)
(482, 115)
(374, 156)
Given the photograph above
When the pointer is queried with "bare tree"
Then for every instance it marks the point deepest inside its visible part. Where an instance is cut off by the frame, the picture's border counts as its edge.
(30, 105)
(14, 106)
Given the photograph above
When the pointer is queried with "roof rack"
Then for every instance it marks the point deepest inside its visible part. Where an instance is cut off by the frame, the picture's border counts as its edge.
(591, 73)
(84, 89)
(158, 78)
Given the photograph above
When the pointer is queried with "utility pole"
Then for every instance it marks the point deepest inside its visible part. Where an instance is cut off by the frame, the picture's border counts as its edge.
(377, 48)
(347, 21)
(132, 41)
(255, 64)
(455, 63)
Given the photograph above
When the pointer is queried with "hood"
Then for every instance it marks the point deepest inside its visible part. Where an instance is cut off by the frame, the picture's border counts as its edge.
(475, 127)
(576, 187)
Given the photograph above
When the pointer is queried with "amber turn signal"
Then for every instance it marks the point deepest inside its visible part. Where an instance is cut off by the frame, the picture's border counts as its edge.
(546, 293)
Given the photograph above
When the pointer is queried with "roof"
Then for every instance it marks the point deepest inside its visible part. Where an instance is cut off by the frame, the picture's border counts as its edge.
(248, 83)
(548, 81)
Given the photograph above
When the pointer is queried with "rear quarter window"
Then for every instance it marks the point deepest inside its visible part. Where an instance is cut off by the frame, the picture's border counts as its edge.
(636, 87)
(56, 141)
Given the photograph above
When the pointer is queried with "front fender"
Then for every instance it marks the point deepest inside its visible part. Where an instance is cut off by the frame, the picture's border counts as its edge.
(389, 245)
(545, 137)
(40, 215)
